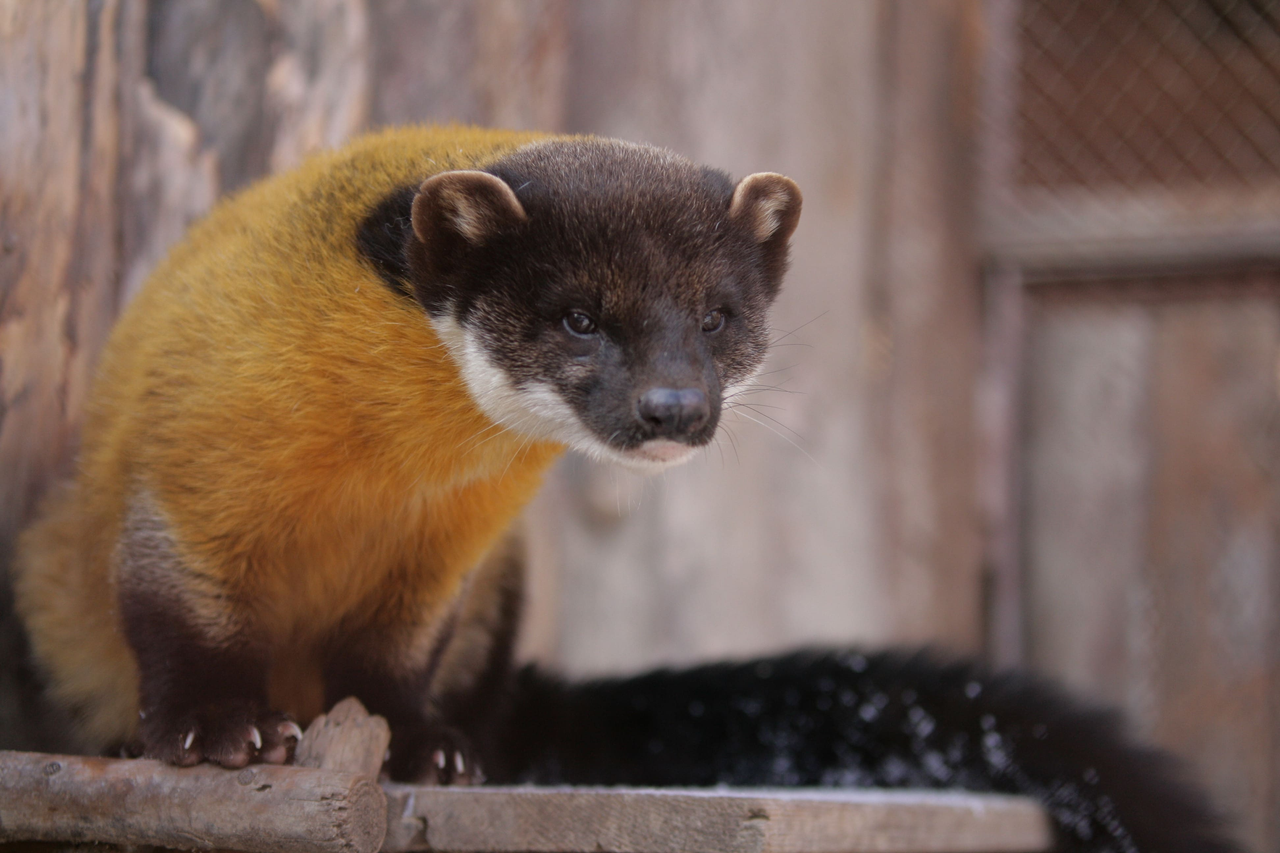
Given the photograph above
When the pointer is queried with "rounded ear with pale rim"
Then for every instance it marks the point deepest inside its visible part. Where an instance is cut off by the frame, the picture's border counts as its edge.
(768, 206)
(474, 206)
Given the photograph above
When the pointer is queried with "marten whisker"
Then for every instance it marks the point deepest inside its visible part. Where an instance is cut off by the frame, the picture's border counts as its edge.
(738, 411)
(733, 441)
(733, 404)
(786, 335)
(755, 408)
(775, 370)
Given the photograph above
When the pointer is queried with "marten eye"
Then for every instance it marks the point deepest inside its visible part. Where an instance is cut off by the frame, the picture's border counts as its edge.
(579, 324)
(714, 321)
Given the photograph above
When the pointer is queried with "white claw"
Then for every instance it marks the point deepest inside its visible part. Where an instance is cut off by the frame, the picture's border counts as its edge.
(292, 729)
(191, 736)
(256, 737)
(459, 763)
(438, 756)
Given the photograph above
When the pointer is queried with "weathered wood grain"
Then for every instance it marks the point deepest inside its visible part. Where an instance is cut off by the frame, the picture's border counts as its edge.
(121, 121)
(1152, 503)
(171, 179)
(1212, 568)
(1000, 409)
(493, 62)
(317, 90)
(132, 801)
(619, 820)
(209, 59)
(924, 301)
(1052, 234)
(61, 73)
(347, 739)
(58, 155)
(1086, 470)
(328, 802)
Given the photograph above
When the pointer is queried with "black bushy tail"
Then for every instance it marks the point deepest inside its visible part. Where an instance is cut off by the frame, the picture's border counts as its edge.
(846, 719)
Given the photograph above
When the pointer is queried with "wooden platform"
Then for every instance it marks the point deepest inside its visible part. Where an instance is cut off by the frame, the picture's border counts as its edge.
(635, 820)
(330, 802)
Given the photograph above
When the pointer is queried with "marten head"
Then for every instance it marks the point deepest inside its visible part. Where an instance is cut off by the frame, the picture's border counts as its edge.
(602, 294)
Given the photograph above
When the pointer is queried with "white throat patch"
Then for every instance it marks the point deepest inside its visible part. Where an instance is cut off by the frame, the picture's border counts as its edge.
(537, 410)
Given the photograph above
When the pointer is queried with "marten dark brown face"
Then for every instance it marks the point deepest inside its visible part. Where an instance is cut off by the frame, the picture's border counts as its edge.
(602, 294)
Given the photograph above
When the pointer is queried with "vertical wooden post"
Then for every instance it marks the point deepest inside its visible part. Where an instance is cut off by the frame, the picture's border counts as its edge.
(59, 151)
(1000, 400)
(1000, 403)
(62, 71)
(925, 306)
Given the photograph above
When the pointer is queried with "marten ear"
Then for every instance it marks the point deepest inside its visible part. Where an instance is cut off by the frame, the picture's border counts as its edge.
(768, 206)
(472, 205)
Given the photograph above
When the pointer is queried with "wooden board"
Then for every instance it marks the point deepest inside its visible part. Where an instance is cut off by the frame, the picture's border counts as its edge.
(1212, 572)
(61, 72)
(924, 304)
(1152, 473)
(328, 802)
(488, 62)
(137, 802)
(1085, 470)
(621, 820)
(1135, 231)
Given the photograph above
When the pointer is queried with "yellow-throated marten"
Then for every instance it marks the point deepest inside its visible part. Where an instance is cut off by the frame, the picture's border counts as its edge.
(331, 399)
(335, 394)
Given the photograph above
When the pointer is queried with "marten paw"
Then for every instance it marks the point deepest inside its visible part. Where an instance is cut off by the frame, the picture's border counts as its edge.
(434, 757)
(452, 762)
(231, 734)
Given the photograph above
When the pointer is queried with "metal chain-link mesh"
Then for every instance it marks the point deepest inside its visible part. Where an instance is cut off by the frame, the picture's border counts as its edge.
(1133, 93)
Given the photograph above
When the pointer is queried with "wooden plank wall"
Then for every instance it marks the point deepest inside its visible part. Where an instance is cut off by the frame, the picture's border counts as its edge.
(1150, 428)
(1152, 473)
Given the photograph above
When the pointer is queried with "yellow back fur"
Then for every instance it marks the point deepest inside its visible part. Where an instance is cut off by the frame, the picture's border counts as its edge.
(302, 429)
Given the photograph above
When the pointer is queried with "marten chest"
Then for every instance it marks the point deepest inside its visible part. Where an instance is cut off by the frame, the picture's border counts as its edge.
(388, 562)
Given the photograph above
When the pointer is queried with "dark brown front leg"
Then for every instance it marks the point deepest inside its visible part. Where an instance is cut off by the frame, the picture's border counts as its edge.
(202, 676)
(372, 667)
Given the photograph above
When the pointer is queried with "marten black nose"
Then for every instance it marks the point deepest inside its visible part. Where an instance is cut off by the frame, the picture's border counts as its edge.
(669, 412)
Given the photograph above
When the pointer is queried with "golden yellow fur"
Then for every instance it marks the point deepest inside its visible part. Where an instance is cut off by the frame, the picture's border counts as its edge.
(299, 427)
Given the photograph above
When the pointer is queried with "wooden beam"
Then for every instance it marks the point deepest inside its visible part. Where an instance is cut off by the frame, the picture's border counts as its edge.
(347, 739)
(924, 305)
(1000, 404)
(619, 820)
(328, 801)
(139, 802)
(1064, 232)
(269, 808)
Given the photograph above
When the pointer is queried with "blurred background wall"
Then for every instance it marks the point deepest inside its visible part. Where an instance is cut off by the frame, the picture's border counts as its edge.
(1025, 388)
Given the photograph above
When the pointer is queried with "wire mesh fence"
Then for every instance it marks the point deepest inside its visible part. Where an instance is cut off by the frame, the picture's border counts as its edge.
(1133, 135)
(1148, 93)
